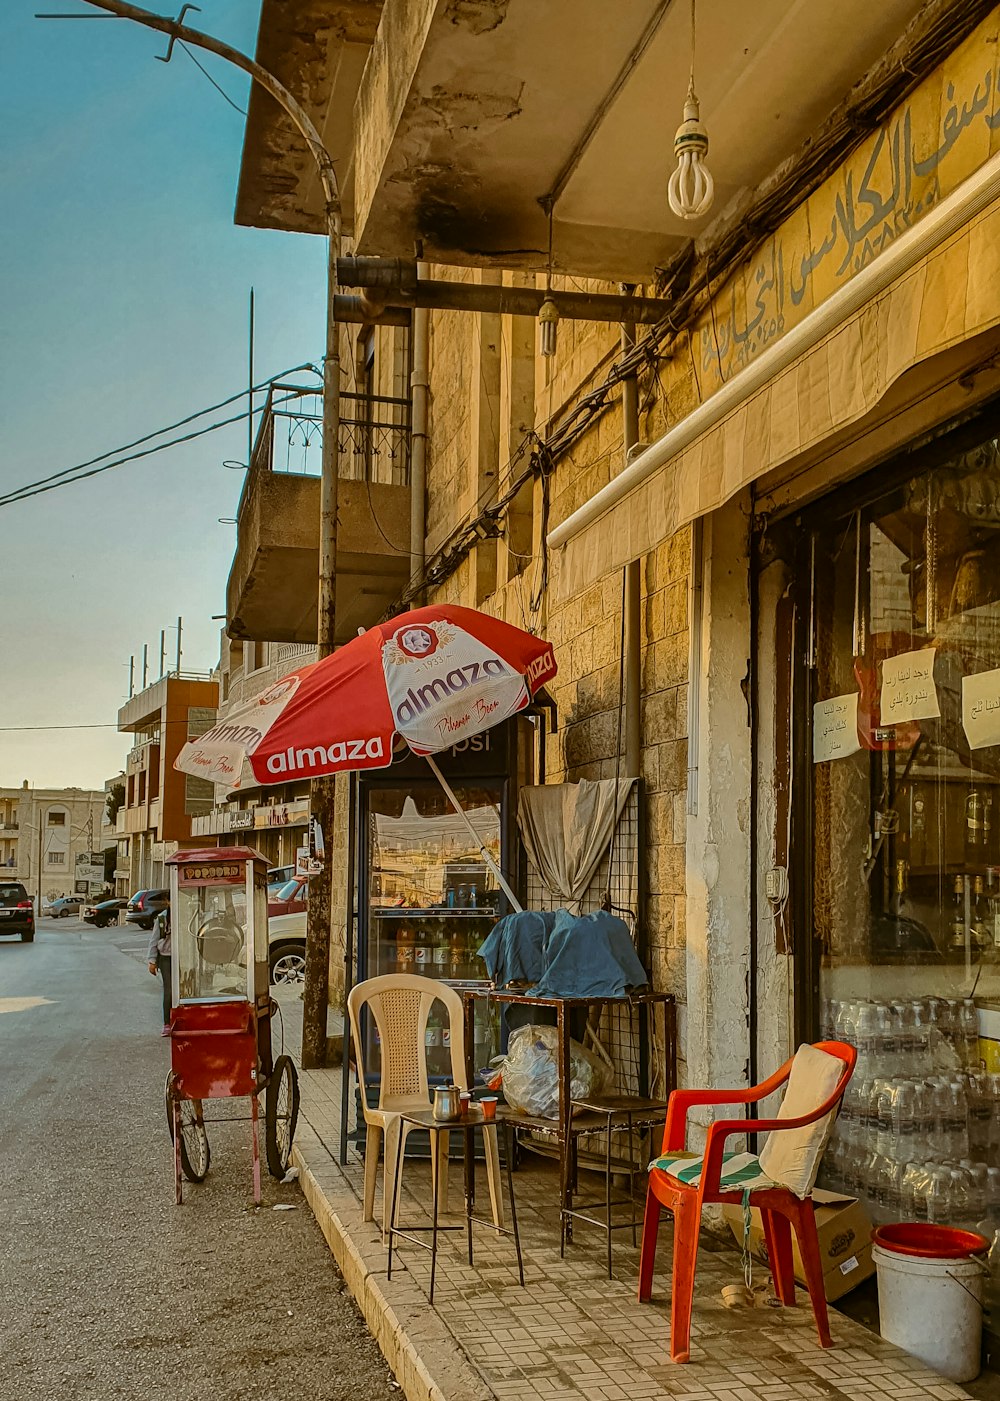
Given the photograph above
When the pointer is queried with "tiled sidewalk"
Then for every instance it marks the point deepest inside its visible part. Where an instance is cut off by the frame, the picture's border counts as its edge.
(570, 1333)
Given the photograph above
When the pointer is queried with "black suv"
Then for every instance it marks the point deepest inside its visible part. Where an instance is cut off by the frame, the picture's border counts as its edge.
(16, 913)
(144, 906)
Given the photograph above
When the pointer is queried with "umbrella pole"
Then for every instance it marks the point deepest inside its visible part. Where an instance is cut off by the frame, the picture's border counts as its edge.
(514, 901)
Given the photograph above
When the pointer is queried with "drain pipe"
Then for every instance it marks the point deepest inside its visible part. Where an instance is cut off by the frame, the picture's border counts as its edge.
(419, 404)
(632, 600)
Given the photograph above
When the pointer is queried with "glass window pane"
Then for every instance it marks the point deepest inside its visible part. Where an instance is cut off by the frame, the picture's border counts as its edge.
(906, 840)
(209, 942)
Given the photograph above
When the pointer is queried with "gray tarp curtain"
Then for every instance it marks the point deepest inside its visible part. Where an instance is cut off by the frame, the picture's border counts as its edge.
(567, 828)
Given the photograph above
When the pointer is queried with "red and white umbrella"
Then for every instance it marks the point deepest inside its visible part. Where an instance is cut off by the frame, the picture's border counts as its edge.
(432, 677)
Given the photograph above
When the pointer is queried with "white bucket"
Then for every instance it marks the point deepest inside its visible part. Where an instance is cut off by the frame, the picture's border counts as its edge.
(933, 1309)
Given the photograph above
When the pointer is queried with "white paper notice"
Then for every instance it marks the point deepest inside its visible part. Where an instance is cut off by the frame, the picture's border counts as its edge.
(908, 690)
(981, 709)
(835, 728)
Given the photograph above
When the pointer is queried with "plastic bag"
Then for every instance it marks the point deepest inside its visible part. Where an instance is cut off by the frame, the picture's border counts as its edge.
(529, 1072)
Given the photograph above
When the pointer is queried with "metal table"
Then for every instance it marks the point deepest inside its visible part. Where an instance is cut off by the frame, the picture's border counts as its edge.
(466, 1124)
(568, 1127)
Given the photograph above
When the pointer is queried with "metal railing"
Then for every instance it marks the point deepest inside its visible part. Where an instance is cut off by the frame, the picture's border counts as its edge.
(374, 435)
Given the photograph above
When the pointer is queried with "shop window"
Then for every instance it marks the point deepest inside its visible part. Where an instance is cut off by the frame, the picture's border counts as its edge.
(898, 815)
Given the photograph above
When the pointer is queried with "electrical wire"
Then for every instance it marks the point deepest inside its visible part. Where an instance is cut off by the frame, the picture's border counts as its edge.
(53, 483)
(148, 437)
(234, 105)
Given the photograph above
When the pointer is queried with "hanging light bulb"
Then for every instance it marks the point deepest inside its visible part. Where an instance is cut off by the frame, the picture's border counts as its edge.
(548, 326)
(548, 312)
(691, 188)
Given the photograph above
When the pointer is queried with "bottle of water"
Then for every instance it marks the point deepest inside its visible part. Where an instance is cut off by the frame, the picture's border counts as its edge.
(978, 1183)
(958, 1118)
(938, 1142)
(914, 1192)
(905, 1121)
(886, 1040)
(885, 1123)
(980, 1114)
(967, 1018)
(938, 1194)
(960, 1194)
(920, 1035)
(866, 1035)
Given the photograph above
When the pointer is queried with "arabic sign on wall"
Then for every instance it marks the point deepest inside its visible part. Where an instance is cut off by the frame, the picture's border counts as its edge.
(835, 728)
(981, 709)
(946, 129)
(908, 691)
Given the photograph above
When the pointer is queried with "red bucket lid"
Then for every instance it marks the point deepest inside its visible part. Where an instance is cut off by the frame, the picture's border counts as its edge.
(930, 1242)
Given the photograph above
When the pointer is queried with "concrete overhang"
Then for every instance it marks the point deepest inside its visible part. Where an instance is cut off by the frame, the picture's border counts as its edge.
(273, 583)
(144, 708)
(471, 111)
(318, 49)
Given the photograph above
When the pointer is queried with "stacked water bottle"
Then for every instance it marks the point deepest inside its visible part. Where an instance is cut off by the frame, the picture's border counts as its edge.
(919, 1129)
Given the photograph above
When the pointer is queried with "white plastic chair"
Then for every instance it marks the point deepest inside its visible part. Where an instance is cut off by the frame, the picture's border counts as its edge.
(400, 1004)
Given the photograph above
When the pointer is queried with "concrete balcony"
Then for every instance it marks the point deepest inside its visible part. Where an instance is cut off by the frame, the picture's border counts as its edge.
(469, 116)
(272, 591)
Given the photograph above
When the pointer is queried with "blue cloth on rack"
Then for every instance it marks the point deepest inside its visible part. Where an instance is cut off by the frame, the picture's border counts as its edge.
(590, 956)
(514, 949)
(563, 955)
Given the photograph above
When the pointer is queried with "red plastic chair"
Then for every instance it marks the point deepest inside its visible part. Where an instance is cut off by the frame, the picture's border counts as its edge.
(781, 1211)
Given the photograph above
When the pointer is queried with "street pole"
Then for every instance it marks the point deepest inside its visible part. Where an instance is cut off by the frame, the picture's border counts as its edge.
(38, 813)
(316, 993)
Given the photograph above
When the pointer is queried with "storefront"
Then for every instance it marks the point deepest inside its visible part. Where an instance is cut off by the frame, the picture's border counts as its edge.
(891, 624)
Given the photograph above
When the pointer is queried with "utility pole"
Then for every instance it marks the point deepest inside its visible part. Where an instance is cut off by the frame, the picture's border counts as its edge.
(180, 626)
(317, 971)
(38, 814)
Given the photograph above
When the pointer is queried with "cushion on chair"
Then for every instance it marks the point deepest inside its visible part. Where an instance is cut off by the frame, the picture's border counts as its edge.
(791, 1156)
(740, 1171)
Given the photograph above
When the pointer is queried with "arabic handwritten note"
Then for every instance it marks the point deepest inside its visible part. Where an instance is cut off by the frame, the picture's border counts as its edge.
(835, 728)
(981, 709)
(908, 689)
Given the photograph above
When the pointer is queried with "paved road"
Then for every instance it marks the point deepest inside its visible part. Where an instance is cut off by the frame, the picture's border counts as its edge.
(107, 1290)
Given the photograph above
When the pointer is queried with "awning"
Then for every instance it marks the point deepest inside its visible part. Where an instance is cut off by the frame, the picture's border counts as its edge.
(936, 286)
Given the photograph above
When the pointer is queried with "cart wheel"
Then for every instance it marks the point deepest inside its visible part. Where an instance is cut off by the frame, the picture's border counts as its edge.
(281, 1112)
(195, 1152)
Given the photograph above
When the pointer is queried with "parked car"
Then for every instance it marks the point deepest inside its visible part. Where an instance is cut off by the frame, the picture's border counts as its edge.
(144, 906)
(106, 912)
(16, 913)
(277, 876)
(286, 938)
(64, 906)
(288, 898)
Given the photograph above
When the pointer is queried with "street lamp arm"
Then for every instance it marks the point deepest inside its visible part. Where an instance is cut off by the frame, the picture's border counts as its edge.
(183, 33)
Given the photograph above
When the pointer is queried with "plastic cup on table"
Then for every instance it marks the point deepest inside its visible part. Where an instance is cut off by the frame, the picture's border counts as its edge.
(488, 1104)
(465, 1099)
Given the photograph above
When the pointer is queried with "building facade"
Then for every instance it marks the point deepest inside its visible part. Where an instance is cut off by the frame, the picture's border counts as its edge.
(741, 523)
(46, 832)
(275, 820)
(160, 803)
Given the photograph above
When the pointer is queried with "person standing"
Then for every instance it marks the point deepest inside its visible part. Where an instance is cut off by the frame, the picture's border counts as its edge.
(158, 957)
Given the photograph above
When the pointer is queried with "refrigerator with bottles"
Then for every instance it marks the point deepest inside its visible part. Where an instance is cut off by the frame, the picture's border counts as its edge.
(426, 897)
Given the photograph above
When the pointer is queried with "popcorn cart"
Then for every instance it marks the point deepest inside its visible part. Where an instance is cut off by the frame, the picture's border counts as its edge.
(220, 1025)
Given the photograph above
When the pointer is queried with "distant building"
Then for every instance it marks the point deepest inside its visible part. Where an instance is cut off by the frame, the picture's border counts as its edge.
(274, 819)
(160, 803)
(47, 836)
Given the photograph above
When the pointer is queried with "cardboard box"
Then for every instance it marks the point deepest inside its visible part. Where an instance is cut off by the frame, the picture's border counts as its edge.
(845, 1241)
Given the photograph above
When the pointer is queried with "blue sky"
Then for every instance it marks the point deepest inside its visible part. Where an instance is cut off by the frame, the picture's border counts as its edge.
(124, 307)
